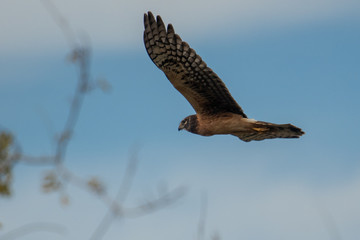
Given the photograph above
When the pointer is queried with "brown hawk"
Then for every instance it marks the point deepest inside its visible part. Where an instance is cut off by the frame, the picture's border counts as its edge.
(216, 111)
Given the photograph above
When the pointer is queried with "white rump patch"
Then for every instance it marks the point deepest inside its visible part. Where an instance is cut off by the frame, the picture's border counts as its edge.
(251, 120)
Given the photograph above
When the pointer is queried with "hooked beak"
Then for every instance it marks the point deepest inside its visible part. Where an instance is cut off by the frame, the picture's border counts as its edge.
(181, 127)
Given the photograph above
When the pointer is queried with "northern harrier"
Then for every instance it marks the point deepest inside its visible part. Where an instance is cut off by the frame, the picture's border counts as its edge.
(216, 111)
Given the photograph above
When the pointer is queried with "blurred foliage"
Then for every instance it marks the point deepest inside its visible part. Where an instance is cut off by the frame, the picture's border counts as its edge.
(6, 142)
(96, 186)
(51, 182)
(73, 56)
(103, 85)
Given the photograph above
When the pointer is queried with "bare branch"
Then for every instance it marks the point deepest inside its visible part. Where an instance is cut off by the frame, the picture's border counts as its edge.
(61, 22)
(83, 58)
(119, 199)
(71, 178)
(151, 206)
(58, 178)
(41, 160)
(128, 178)
(119, 211)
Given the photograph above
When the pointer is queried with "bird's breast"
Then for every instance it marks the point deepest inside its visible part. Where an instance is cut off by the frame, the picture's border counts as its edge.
(221, 124)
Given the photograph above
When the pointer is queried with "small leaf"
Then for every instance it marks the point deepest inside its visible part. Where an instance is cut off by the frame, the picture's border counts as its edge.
(96, 186)
(66, 135)
(104, 85)
(51, 182)
(73, 56)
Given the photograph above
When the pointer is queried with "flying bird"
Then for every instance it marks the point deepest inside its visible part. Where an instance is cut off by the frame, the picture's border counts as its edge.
(216, 110)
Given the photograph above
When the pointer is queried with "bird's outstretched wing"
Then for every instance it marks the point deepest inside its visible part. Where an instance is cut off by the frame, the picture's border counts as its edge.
(186, 70)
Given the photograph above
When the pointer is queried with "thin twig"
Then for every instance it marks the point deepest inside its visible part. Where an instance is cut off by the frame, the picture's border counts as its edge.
(61, 22)
(41, 160)
(81, 183)
(127, 181)
(161, 202)
(119, 199)
(83, 55)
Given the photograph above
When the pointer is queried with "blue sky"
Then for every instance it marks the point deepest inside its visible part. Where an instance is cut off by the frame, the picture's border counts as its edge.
(283, 62)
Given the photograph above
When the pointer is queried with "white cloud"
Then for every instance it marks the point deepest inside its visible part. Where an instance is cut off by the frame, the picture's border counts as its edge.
(26, 25)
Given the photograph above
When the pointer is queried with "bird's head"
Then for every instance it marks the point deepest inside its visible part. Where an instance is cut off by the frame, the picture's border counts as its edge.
(189, 123)
(184, 124)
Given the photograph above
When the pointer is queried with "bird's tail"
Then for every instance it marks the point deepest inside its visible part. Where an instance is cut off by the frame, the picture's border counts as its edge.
(263, 130)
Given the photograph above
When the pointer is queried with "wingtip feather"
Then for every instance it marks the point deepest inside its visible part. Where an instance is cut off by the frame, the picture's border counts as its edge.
(159, 20)
(170, 28)
(151, 17)
(150, 14)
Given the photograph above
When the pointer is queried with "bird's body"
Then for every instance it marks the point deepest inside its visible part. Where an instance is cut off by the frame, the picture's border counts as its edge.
(225, 123)
(216, 110)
